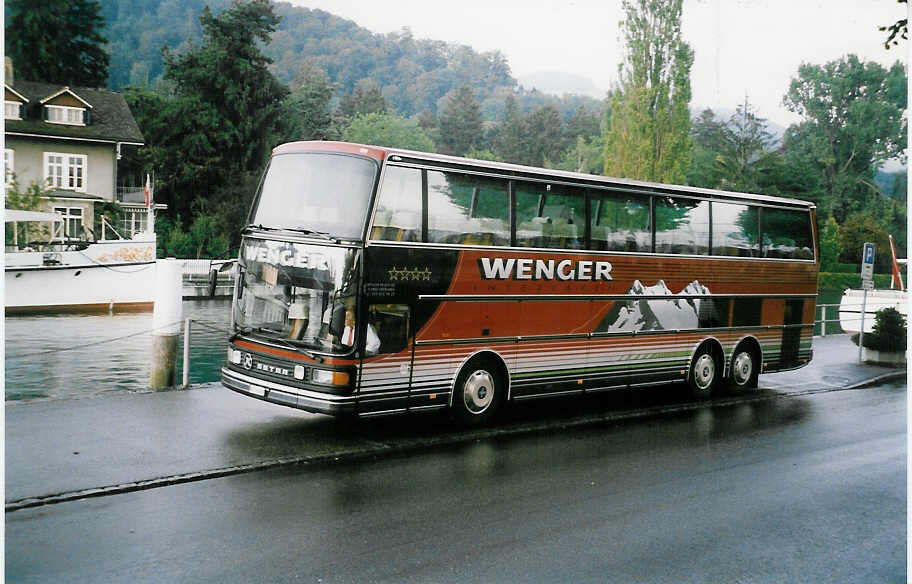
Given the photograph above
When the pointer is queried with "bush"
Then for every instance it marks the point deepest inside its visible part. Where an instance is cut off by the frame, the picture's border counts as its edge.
(841, 281)
(889, 334)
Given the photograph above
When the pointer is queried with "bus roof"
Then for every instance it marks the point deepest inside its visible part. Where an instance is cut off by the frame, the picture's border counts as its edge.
(520, 171)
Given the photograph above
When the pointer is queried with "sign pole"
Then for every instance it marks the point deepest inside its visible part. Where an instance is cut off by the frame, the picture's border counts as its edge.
(867, 283)
(864, 302)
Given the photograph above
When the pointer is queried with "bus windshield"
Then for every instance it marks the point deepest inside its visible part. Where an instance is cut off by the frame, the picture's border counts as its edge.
(300, 294)
(317, 192)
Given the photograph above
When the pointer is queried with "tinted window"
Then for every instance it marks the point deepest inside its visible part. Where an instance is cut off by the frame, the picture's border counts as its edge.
(467, 209)
(620, 222)
(550, 216)
(682, 226)
(398, 216)
(787, 234)
(735, 230)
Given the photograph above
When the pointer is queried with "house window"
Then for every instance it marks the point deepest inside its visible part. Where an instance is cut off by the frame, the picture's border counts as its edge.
(8, 157)
(72, 220)
(65, 171)
(12, 110)
(61, 114)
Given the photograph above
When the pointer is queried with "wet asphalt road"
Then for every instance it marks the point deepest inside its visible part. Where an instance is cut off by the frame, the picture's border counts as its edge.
(807, 488)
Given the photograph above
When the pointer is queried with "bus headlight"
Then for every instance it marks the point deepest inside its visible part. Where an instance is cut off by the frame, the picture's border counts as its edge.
(327, 377)
(234, 356)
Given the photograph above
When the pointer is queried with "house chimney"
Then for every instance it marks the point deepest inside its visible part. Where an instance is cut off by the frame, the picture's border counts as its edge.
(8, 71)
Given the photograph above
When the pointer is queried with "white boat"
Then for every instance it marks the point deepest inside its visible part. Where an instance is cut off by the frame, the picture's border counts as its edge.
(851, 304)
(853, 301)
(114, 274)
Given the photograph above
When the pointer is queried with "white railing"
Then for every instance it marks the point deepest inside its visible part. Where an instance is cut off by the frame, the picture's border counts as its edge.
(204, 267)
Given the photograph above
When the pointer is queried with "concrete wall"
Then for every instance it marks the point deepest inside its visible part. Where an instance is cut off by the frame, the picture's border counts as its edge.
(28, 162)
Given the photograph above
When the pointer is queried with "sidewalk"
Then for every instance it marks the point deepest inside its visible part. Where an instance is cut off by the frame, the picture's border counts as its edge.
(76, 445)
(835, 365)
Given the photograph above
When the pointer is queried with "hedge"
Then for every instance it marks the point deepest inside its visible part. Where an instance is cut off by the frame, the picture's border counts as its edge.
(838, 281)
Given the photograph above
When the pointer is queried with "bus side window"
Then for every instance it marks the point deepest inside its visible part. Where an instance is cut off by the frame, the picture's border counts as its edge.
(398, 216)
(735, 230)
(787, 234)
(467, 209)
(388, 328)
(550, 216)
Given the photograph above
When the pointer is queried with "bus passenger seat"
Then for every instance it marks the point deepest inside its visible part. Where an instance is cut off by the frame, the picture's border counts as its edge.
(381, 222)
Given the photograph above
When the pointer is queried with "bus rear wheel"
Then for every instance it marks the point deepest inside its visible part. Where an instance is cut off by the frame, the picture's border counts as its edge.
(744, 371)
(704, 373)
(478, 392)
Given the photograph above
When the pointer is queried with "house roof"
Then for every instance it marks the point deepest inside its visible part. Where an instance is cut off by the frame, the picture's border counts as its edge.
(65, 194)
(111, 120)
(63, 90)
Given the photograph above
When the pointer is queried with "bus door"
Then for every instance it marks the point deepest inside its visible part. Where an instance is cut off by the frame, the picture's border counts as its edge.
(791, 335)
(386, 367)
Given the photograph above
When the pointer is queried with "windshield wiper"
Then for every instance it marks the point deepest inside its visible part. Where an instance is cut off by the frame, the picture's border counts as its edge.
(257, 226)
(321, 234)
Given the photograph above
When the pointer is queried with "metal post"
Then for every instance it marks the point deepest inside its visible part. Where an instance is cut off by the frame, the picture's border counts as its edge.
(864, 302)
(823, 311)
(186, 380)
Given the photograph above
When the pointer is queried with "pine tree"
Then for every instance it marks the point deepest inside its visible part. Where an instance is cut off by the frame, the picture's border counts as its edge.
(511, 134)
(228, 74)
(545, 145)
(310, 101)
(366, 99)
(57, 41)
(649, 133)
(460, 123)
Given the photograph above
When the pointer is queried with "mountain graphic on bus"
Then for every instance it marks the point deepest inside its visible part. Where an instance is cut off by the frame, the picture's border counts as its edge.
(650, 315)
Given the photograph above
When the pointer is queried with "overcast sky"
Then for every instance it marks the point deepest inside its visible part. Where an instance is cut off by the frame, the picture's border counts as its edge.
(742, 47)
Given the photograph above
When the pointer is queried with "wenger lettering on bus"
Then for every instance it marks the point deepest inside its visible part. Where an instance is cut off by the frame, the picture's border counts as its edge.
(534, 269)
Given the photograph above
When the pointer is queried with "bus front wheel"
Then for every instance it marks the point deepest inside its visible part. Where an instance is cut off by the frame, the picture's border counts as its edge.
(478, 393)
(704, 373)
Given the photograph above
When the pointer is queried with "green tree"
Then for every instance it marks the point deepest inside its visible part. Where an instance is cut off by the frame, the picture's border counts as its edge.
(228, 73)
(829, 246)
(309, 101)
(205, 238)
(852, 122)
(584, 122)
(366, 99)
(648, 136)
(584, 156)
(29, 199)
(211, 124)
(735, 155)
(511, 135)
(545, 144)
(57, 41)
(857, 229)
(391, 131)
(460, 122)
(706, 133)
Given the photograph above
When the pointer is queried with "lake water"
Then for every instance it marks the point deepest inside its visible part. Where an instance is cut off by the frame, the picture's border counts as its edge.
(75, 355)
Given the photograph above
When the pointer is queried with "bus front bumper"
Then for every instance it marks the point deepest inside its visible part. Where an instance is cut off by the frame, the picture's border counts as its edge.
(311, 401)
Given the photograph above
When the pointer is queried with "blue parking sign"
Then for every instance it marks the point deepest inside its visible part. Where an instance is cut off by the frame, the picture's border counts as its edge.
(868, 257)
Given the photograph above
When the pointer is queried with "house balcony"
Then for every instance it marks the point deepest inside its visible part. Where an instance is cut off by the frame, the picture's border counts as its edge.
(131, 195)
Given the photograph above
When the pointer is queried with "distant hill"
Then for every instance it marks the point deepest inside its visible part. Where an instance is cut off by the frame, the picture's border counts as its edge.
(414, 74)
